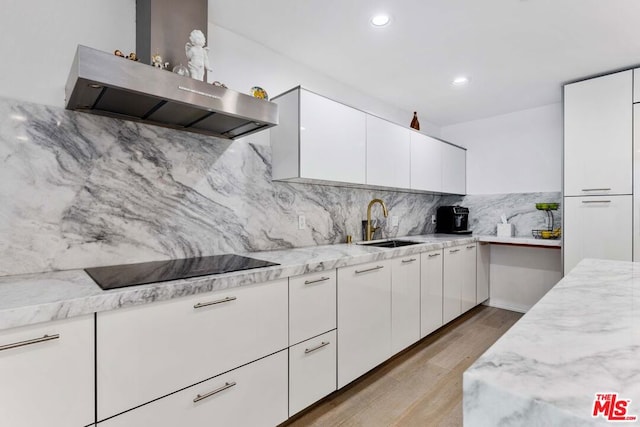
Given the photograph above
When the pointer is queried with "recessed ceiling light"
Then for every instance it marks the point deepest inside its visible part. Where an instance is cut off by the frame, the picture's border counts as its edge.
(380, 20)
(460, 81)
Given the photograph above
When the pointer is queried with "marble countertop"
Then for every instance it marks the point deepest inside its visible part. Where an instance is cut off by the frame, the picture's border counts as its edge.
(35, 298)
(582, 338)
(525, 241)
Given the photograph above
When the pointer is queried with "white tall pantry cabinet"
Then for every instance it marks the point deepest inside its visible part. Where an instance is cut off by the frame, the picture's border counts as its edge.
(598, 169)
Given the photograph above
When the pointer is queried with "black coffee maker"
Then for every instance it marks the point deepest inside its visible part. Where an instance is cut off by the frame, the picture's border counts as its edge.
(452, 220)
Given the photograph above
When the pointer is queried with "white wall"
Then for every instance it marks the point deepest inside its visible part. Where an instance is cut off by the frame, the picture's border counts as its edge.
(518, 152)
(39, 40)
(241, 63)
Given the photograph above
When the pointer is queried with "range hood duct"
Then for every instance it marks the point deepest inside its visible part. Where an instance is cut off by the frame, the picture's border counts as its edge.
(104, 84)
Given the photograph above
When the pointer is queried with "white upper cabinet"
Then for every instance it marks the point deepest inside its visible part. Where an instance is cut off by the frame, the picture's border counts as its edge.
(598, 135)
(388, 154)
(454, 165)
(426, 163)
(318, 139)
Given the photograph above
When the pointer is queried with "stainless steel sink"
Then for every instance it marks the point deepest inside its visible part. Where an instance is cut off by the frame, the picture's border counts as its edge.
(390, 243)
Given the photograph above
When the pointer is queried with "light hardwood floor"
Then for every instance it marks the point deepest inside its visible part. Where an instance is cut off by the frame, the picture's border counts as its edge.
(421, 386)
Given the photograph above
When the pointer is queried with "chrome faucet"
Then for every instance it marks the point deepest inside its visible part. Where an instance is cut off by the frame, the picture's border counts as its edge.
(371, 230)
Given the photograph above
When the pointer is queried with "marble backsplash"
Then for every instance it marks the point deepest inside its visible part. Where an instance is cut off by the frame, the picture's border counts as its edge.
(519, 208)
(78, 190)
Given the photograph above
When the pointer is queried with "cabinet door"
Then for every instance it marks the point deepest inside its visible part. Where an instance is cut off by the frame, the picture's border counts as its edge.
(148, 351)
(312, 371)
(636, 85)
(454, 164)
(48, 381)
(312, 305)
(597, 227)
(253, 395)
(430, 291)
(469, 266)
(482, 277)
(452, 280)
(636, 171)
(332, 140)
(426, 163)
(598, 136)
(405, 302)
(364, 319)
(388, 154)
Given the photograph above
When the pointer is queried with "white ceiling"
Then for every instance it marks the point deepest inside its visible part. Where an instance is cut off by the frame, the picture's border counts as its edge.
(516, 52)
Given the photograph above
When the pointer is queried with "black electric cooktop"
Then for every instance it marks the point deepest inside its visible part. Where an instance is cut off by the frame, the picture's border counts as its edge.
(121, 276)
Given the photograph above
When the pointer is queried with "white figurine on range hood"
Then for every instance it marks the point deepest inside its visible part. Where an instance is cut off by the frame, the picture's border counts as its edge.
(197, 54)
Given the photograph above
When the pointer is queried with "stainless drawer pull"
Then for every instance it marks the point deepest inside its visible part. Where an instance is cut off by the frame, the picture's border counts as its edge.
(377, 267)
(220, 301)
(432, 255)
(29, 342)
(596, 189)
(453, 251)
(471, 246)
(322, 279)
(596, 201)
(199, 397)
(406, 261)
(318, 347)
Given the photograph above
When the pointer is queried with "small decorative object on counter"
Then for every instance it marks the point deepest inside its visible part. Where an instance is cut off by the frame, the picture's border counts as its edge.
(258, 92)
(349, 238)
(217, 83)
(181, 70)
(156, 61)
(414, 122)
(119, 53)
(132, 56)
(198, 55)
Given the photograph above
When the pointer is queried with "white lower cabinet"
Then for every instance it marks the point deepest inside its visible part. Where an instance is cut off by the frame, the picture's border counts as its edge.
(431, 291)
(482, 275)
(468, 288)
(405, 302)
(597, 227)
(253, 395)
(149, 351)
(47, 374)
(459, 281)
(312, 305)
(364, 319)
(312, 371)
(452, 283)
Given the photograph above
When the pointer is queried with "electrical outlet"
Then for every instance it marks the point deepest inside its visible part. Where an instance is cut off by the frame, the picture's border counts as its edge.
(302, 222)
(433, 219)
(394, 220)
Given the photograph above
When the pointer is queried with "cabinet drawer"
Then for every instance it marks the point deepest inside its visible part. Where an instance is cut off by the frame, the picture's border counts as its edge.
(253, 395)
(149, 351)
(312, 305)
(47, 377)
(312, 371)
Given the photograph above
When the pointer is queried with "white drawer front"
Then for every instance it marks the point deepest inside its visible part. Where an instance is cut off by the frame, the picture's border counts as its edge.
(312, 371)
(48, 381)
(149, 351)
(312, 305)
(254, 395)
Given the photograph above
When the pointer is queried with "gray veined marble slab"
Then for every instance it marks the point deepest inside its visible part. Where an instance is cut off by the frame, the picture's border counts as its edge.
(34, 298)
(581, 338)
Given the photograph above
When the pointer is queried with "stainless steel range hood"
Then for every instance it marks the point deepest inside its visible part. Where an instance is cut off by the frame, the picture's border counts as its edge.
(105, 84)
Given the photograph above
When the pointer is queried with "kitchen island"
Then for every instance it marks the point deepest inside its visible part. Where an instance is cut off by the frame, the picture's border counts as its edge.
(580, 340)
